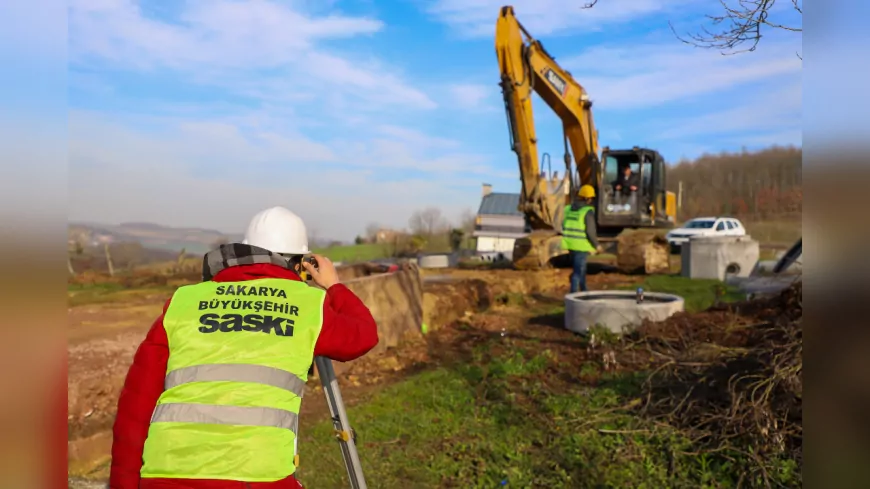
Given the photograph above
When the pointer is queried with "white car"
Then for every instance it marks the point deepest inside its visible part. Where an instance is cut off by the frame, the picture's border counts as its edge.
(705, 226)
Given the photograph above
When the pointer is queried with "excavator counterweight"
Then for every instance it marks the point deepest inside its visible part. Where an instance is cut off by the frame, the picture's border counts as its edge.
(525, 68)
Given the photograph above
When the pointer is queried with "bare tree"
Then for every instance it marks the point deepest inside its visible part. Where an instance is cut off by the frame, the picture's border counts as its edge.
(467, 221)
(76, 249)
(427, 222)
(739, 24)
(313, 238)
(179, 260)
(372, 232)
(108, 259)
(128, 254)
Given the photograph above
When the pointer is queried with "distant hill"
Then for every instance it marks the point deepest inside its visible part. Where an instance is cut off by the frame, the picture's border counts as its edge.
(149, 235)
(157, 237)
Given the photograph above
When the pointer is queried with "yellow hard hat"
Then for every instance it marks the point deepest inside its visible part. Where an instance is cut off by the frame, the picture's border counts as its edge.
(586, 192)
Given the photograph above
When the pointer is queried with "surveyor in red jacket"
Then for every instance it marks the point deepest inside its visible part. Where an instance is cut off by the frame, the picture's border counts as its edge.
(212, 398)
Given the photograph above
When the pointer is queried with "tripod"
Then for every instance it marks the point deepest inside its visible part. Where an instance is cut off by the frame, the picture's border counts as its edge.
(344, 433)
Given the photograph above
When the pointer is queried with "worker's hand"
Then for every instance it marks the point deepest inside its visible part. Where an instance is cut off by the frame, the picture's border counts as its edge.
(599, 249)
(324, 275)
(633, 188)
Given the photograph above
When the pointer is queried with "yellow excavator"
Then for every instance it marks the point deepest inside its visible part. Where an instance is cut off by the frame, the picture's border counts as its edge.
(526, 67)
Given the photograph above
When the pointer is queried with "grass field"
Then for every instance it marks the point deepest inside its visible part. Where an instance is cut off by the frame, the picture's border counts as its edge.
(79, 295)
(511, 415)
(482, 427)
(698, 294)
(497, 420)
(352, 253)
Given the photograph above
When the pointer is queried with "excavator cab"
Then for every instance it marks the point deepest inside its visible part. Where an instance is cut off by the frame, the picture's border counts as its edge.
(635, 200)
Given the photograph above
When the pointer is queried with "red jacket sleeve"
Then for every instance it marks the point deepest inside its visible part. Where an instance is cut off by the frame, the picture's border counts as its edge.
(142, 388)
(349, 331)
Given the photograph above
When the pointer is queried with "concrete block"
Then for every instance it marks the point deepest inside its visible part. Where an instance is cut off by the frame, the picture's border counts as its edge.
(719, 256)
(435, 261)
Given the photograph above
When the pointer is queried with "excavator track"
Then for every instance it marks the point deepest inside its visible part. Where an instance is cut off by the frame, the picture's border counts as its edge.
(637, 251)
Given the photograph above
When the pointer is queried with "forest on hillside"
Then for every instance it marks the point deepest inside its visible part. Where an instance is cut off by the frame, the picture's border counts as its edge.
(751, 185)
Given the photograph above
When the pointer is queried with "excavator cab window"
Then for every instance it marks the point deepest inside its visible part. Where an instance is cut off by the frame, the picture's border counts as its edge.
(647, 174)
(611, 169)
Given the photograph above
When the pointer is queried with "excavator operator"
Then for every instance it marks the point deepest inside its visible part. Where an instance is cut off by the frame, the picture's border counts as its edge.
(212, 398)
(626, 182)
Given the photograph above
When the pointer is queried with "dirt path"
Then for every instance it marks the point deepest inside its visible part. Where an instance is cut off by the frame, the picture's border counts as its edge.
(103, 339)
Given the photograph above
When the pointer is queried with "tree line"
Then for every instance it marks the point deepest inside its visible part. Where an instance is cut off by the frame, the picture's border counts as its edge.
(752, 185)
(428, 230)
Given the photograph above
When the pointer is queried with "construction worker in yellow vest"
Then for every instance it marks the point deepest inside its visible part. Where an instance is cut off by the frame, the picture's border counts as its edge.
(212, 398)
(579, 235)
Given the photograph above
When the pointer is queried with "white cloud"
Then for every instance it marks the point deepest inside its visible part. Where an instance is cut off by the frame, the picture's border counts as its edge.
(627, 77)
(477, 18)
(217, 33)
(417, 138)
(767, 117)
(471, 95)
(258, 47)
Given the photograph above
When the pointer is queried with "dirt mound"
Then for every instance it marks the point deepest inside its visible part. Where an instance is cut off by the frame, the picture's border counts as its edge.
(731, 379)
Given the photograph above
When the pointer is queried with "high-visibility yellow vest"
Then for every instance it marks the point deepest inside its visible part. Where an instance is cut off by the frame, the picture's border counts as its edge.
(574, 230)
(239, 354)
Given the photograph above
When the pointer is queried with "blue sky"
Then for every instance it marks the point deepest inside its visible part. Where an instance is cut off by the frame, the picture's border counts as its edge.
(200, 113)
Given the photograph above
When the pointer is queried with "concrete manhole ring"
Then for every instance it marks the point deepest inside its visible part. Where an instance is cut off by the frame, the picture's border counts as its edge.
(617, 310)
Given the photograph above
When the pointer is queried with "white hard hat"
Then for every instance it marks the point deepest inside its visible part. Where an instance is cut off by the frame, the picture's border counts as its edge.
(279, 231)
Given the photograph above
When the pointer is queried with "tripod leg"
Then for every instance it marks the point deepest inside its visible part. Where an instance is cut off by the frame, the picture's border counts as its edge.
(340, 422)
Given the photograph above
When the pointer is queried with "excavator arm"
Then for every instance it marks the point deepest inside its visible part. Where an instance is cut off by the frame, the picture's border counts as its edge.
(525, 66)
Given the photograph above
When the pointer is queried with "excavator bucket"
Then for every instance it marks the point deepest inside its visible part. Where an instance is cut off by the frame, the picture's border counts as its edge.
(538, 250)
(642, 251)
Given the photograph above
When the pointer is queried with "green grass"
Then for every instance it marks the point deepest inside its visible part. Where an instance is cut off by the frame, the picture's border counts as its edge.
(79, 294)
(352, 253)
(495, 422)
(698, 294)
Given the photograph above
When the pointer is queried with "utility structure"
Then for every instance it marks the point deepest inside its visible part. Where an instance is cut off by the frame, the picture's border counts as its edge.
(526, 67)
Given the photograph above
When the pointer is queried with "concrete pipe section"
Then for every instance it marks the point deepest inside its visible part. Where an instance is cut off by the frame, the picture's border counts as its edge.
(617, 310)
(434, 261)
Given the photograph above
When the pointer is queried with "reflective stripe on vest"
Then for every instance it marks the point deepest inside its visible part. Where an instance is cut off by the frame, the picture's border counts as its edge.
(236, 373)
(231, 415)
(574, 236)
(239, 354)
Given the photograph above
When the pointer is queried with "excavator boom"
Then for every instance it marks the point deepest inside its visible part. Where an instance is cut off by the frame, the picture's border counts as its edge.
(526, 67)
